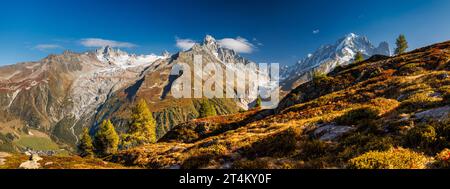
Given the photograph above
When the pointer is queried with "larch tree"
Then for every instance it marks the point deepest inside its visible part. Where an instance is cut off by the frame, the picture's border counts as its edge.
(85, 146)
(106, 140)
(402, 44)
(359, 57)
(142, 127)
(206, 109)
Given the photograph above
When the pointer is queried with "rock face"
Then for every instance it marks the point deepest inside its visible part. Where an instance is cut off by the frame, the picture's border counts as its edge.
(3, 155)
(439, 114)
(327, 57)
(61, 94)
(35, 157)
(155, 84)
(32, 163)
(331, 131)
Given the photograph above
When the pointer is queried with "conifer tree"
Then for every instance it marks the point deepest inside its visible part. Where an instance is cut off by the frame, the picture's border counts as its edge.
(402, 44)
(358, 57)
(106, 140)
(258, 102)
(142, 128)
(206, 109)
(85, 146)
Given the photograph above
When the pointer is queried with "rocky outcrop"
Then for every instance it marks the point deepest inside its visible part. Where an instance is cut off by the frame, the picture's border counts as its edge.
(439, 114)
(3, 155)
(331, 132)
(32, 163)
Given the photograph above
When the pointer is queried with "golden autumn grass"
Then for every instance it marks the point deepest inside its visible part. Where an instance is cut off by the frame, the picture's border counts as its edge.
(372, 97)
(62, 162)
(378, 99)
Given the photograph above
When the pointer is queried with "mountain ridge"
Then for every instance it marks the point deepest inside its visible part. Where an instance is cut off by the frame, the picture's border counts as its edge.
(71, 90)
(366, 115)
(327, 57)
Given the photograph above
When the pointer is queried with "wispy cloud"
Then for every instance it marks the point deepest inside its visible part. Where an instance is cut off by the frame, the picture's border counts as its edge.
(257, 42)
(98, 42)
(46, 47)
(240, 45)
(184, 44)
(316, 31)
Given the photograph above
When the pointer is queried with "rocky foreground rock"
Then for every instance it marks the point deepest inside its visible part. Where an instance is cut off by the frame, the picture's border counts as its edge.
(3, 155)
(32, 163)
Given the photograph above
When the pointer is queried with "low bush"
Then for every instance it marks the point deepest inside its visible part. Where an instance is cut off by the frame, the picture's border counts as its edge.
(319, 76)
(259, 163)
(267, 163)
(202, 157)
(185, 132)
(422, 137)
(359, 143)
(356, 116)
(431, 137)
(443, 159)
(418, 101)
(411, 69)
(312, 149)
(276, 145)
(197, 161)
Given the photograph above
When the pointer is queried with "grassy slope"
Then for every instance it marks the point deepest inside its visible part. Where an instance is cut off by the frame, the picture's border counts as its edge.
(36, 143)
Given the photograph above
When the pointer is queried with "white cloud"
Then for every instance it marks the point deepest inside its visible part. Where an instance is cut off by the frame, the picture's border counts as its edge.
(240, 45)
(257, 42)
(185, 44)
(97, 42)
(45, 47)
(316, 31)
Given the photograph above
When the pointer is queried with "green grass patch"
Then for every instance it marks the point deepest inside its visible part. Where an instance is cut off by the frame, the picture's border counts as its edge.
(36, 143)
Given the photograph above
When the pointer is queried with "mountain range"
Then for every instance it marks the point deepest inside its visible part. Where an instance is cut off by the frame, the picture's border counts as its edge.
(381, 113)
(328, 57)
(61, 94)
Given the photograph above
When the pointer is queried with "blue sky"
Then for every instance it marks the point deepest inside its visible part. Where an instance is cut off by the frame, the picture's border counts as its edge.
(275, 31)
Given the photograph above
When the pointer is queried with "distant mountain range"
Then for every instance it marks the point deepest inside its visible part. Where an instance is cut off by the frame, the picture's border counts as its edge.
(327, 57)
(381, 113)
(61, 94)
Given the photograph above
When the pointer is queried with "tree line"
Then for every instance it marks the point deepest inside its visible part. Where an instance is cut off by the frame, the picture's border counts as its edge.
(106, 141)
(141, 130)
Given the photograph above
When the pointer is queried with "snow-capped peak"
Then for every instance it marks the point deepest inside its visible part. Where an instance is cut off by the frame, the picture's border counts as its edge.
(116, 57)
(327, 57)
(210, 43)
(209, 39)
(165, 54)
(351, 35)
